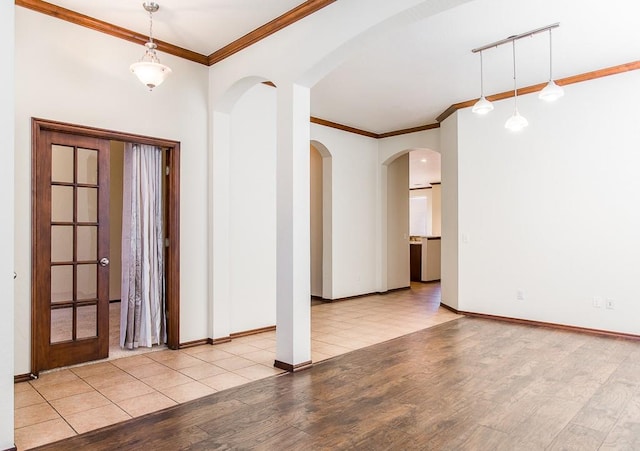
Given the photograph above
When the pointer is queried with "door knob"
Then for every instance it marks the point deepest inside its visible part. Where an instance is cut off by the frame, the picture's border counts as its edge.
(104, 261)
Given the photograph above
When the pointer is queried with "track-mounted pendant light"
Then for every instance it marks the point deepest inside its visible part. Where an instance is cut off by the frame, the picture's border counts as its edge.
(516, 122)
(482, 106)
(149, 70)
(552, 91)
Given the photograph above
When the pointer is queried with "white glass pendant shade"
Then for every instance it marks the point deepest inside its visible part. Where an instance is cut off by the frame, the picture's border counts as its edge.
(482, 106)
(551, 92)
(149, 70)
(150, 73)
(516, 122)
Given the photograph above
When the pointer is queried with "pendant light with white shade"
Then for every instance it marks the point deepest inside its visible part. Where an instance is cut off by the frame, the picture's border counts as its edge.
(516, 122)
(482, 106)
(149, 70)
(552, 91)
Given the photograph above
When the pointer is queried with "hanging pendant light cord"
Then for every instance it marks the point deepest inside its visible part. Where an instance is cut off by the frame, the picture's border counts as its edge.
(481, 77)
(515, 87)
(151, 27)
(550, 56)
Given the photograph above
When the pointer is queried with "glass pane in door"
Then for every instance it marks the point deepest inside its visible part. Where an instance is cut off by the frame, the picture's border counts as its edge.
(87, 282)
(61, 283)
(87, 243)
(61, 164)
(61, 324)
(61, 243)
(87, 209)
(87, 166)
(87, 321)
(61, 203)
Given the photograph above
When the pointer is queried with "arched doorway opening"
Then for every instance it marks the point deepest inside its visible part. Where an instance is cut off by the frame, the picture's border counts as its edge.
(243, 202)
(321, 224)
(411, 215)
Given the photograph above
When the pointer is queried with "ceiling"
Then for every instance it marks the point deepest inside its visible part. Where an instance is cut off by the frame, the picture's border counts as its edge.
(424, 168)
(203, 26)
(411, 75)
(417, 72)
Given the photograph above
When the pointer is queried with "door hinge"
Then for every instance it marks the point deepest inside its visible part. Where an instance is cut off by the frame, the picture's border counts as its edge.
(167, 170)
(166, 242)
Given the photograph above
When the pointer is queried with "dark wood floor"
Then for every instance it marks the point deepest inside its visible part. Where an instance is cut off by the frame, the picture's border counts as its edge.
(470, 384)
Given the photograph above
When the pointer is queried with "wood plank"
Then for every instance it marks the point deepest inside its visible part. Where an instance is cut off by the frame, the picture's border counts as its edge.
(577, 438)
(626, 432)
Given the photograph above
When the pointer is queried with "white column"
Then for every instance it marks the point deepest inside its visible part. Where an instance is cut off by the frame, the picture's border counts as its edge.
(7, 149)
(220, 212)
(293, 313)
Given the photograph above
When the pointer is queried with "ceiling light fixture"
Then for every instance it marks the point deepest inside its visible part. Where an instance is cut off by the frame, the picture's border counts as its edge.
(482, 106)
(516, 122)
(552, 91)
(149, 70)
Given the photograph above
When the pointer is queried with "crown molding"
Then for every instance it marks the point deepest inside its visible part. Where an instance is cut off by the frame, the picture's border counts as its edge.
(110, 29)
(346, 128)
(288, 18)
(405, 131)
(613, 70)
(299, 12)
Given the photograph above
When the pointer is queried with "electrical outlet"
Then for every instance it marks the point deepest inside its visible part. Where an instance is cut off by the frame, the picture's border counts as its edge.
(611, 304)
(520, 295)
(597, 302)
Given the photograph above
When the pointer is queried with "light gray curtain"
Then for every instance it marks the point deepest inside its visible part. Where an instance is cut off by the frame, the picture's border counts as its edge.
(142, 310)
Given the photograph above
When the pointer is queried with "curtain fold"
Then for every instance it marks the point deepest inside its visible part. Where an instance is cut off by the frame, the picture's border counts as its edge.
(142, 309)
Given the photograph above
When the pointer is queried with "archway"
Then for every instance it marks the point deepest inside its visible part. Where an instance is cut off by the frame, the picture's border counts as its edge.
(243, 210)
(321, 223)
(400, 186)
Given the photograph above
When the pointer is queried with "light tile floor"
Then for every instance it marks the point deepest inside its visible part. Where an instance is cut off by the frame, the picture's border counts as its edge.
(78, 399)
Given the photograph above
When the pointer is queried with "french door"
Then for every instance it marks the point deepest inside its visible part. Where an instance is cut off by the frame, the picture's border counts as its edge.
(70, 280)
(70, 242)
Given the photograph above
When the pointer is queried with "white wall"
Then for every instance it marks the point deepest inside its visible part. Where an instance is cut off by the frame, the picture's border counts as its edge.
(354, 184)
(398, 275)
(449, 169)
(553, 211)
(427, 139)
(86, 81)
(316, 221)
(7, 24)
(436, 210)
(253, 210)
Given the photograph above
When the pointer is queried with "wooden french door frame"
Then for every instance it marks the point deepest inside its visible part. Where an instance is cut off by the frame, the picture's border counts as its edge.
(172, 225)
